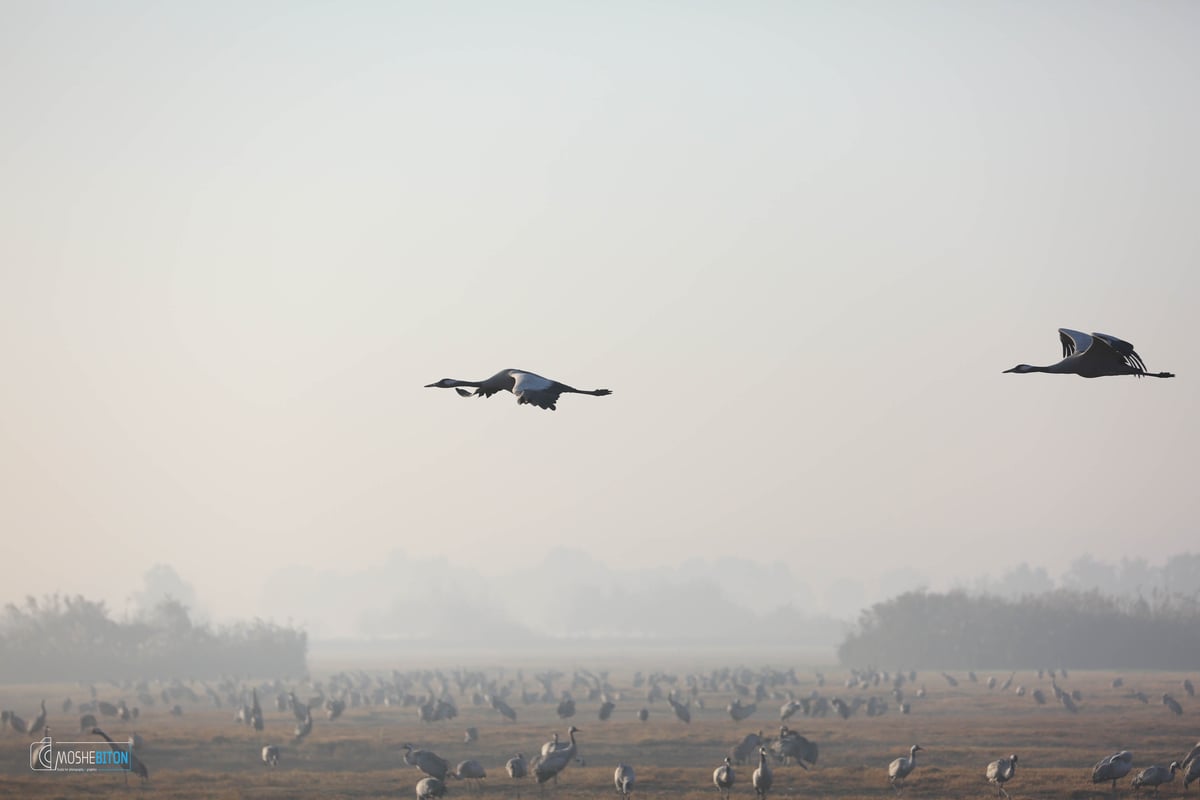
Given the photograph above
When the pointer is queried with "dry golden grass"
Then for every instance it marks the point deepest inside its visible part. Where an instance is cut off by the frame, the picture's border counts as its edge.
(204, 754)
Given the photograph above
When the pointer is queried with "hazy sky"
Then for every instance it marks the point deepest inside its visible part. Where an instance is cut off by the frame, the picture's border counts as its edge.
(799, 241)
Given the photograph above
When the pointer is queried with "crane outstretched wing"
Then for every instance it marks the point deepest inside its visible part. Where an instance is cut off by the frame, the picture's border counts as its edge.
(1073, 341)
(536, 390)
(1123, 349)
(502, 381)
(542, 398)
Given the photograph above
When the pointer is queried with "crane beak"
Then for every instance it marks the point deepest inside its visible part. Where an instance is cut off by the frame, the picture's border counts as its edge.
(431, 385)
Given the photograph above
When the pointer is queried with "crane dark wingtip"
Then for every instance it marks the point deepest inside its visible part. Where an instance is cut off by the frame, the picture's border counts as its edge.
(462, 392)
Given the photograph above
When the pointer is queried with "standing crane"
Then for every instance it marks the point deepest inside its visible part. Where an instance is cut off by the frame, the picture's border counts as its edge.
(517, 769)
(792, 747)
(427, 761)
(550, 764)
(723, 777)
(1113, 768)
(304, 727)
(39, 721)
(299, 710)
(504, 708)
(1155, 776)
(135, 764)
(1191, 773)
(902, 767)
(256, 712)
(470, 771)
(762, 777)
(1000, 772)
(682, 712)
(623, 779)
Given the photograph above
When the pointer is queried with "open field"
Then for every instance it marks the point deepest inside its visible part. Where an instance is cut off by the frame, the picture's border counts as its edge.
(205, 754)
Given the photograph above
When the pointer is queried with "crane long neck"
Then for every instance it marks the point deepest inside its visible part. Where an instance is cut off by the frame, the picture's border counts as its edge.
(1062, 367)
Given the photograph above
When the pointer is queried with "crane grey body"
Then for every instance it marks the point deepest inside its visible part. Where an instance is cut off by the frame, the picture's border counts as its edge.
(39, 721)
(528, 387)
(1113, 768)
(1094, 356)
(299, 710)
(303, 728)
(723, 777)
(1192, 773)
(749, 745)
(504, 708)
(549, 765)
(15, 722)
(1190, 764)
(682, 712)
(256, 713)
(430, 787)
(427, 761)
(270, 755)
(1154, 776)
(552, 745)
(792, 747)
(135, 764)
(902, 767)
(623, 779)
(762, 777)
(1000, 772)
(517, 769)
(470, 771)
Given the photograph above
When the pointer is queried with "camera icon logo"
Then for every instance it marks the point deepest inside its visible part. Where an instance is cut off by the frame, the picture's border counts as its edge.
(41, 754)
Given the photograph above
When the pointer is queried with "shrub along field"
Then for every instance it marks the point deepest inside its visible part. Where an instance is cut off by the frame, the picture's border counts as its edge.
(204, 753)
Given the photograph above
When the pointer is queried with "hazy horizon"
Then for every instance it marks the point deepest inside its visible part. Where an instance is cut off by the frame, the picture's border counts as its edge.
(571, 597)
(799, 243)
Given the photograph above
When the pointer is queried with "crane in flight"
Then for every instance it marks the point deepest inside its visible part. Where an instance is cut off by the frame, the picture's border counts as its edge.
(528, 388)
(1094, 356)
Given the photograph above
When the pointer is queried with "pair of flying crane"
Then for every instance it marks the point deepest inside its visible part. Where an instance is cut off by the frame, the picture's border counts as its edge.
(1089, 356)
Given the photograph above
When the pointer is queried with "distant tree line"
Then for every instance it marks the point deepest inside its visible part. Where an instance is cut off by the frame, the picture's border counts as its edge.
(1179, 574)
(72, 638)
(1063, 628)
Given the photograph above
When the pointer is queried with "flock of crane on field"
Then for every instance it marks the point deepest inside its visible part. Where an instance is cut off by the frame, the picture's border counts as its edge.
(435, 702)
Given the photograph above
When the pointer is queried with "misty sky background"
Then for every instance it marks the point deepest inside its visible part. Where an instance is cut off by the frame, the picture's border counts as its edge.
(799, 242)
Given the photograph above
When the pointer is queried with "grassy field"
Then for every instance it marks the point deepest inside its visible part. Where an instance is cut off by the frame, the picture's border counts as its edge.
(205, 754)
